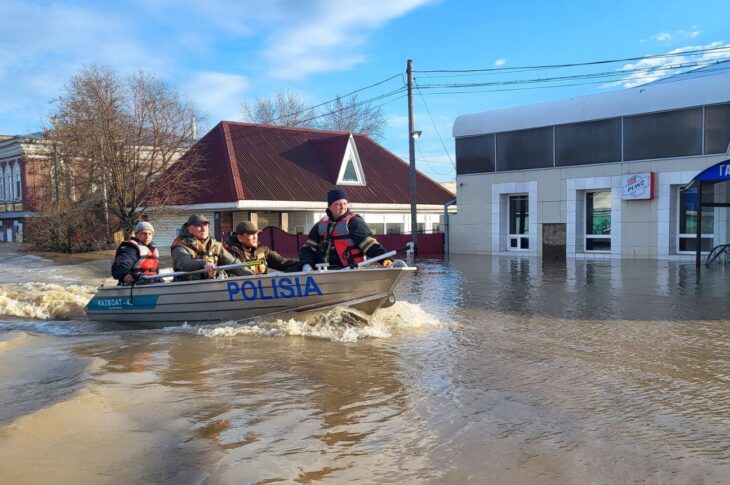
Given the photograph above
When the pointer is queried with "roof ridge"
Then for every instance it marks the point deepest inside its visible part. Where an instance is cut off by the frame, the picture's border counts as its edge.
(286, 128)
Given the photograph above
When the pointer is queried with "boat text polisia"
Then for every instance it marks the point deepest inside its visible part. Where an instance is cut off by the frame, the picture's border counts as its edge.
(277, 288)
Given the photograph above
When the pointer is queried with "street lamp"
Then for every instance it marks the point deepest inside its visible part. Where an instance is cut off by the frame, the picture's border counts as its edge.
(416, 134)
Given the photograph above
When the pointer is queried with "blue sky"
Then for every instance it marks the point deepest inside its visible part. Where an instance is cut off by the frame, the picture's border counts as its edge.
(220, 53)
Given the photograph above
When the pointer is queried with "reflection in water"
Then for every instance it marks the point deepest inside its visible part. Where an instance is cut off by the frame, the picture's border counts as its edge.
(581, 372)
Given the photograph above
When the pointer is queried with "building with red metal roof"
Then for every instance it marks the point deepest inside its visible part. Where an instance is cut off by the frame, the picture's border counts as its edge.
(280, 176)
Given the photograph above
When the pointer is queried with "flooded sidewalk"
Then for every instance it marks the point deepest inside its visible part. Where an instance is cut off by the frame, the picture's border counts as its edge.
(488, 369)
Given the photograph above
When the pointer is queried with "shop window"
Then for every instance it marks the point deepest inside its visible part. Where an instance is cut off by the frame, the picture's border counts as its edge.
(519, 226)
(663, 135)
(717, 128)
(475, 154)
(588, 142)
(687, 217)
(518, 150)
(598, 221)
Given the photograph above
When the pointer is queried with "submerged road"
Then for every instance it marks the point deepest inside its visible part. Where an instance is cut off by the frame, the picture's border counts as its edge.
(488, 369)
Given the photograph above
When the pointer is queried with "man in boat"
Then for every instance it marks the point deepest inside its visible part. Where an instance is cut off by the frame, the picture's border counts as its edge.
(137, 256)
(194, 250)
(341, 238)
(244, 245)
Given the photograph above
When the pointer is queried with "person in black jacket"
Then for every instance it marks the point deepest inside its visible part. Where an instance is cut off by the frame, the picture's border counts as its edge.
(137, 256)
(341, 238)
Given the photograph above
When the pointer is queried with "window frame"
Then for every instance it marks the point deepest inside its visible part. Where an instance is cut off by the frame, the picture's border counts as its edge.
(588, 217)
(521, 240)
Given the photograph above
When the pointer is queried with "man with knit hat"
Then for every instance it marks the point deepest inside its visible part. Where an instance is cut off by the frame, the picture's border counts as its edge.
(341, 238)
(194, 250)
(244, 244)
(137, 256)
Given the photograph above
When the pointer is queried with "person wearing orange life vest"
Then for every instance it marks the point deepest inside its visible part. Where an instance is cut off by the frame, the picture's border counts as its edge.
(341, 238)
(137, 256)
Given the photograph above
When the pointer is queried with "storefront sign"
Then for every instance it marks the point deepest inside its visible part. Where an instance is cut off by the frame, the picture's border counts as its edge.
(638, 186)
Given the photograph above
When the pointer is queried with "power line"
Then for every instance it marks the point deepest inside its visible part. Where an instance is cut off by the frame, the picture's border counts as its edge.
(574, 64)
(428, 162)
(288, 115)
(423, 100)
(525, 88)
(355, 105)
(604, 74)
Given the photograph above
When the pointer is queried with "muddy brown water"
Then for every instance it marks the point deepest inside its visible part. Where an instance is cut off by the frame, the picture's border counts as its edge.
(488, 370)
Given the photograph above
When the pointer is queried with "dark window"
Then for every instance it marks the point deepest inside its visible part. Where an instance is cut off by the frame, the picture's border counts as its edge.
(475, 154)
(717, 128)
(688, 212)
(590, 142)
(598, 221)
(350, 172)
(662, 135)
(517, 150)
(518, 215)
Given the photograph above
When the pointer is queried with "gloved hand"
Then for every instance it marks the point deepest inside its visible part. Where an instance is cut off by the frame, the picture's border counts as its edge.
(387, 263)
(307, 268)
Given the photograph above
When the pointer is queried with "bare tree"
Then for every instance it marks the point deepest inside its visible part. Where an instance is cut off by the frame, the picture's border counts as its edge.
(343, 114)
(285, 108)
(118, 136)
(354, 116)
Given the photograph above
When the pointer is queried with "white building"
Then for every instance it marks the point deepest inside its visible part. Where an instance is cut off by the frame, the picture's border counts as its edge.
(596, 176)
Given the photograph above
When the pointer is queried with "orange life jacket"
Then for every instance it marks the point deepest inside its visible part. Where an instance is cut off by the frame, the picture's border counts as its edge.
(149, 258)
(347, 251)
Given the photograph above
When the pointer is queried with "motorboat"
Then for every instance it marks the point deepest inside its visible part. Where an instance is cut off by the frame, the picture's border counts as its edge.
(242, 298)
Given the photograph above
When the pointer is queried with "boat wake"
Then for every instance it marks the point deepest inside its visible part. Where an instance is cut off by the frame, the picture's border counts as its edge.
(44, 301)
(340, 324)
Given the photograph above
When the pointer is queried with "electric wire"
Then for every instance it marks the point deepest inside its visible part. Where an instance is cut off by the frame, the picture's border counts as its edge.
(423, 100)
(525, 88)
(574, 64)
(596, 75)
(288, 115)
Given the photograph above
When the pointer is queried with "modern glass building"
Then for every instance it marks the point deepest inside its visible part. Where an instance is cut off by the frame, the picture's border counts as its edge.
(597, 176)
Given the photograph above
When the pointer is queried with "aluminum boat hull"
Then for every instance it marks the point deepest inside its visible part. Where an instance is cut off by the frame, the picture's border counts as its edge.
(244, 298)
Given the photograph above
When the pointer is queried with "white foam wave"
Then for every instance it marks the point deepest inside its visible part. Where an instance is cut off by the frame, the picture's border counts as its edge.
(44, 301)
(338, 324)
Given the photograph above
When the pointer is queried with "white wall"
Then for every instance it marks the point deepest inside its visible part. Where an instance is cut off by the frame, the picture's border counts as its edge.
(640, 229)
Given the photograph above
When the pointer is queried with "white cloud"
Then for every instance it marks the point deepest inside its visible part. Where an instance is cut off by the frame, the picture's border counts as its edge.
(44, 42)
(680, 34)
(651, 69)
(500, 62)
(329, 34)
(218, 94)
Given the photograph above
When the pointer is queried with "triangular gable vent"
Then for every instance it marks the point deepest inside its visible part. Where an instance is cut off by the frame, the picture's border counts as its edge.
(351, 172)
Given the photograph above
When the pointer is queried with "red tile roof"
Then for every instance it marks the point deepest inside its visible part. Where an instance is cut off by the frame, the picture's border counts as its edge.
(243, 161)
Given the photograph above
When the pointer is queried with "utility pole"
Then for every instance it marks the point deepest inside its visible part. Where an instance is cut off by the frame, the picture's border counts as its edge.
(412, 158)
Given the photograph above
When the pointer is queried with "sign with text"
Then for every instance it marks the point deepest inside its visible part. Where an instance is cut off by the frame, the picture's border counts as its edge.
(638, 186)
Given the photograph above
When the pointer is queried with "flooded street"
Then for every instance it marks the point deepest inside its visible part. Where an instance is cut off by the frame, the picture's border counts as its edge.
(488, 369)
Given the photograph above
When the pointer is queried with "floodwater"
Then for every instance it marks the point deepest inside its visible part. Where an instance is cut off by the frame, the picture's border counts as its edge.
(488, 369)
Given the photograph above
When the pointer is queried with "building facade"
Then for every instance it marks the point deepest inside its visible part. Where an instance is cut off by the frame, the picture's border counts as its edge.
(597, 176)
(23, 163)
